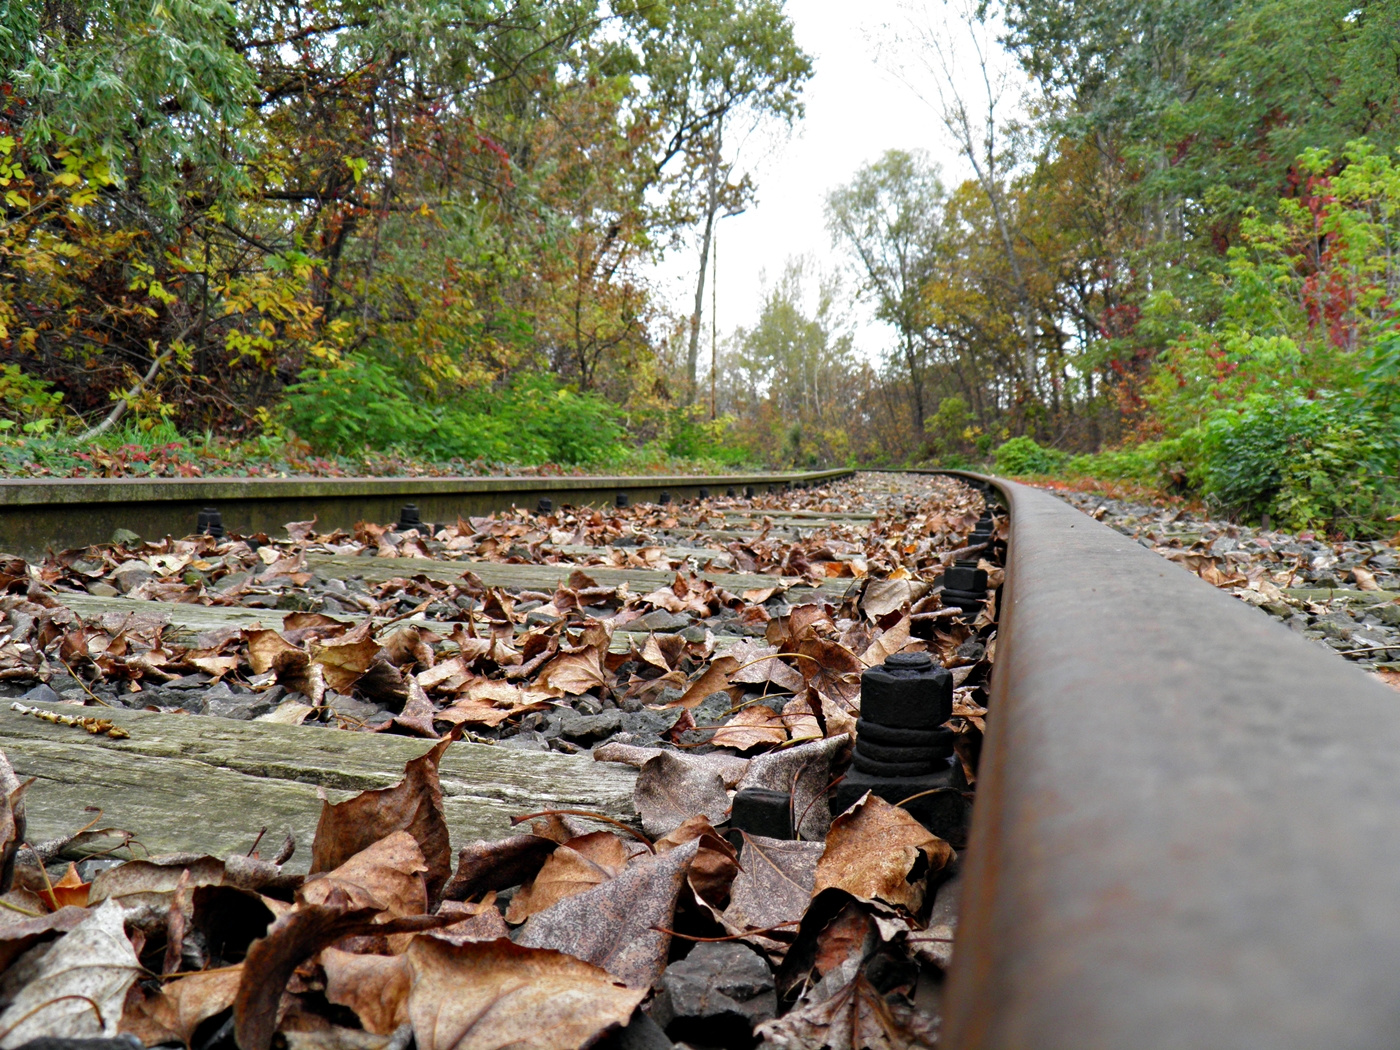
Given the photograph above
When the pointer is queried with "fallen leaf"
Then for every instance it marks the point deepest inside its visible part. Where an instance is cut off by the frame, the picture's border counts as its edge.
(494, 994)
(414, 805)
(174, 1012)
(573, 674)
(345, 660)
(73, 989)
(854, 1014)
(615, 925)
(576, 866)
(497, 865)
(774, 884)
(290, 941)
(670, 790)
(877, 851)
(882, 597)
(374, 986)
(715, 679)
(731, 768)
(387, 875)
(715, 866)
(754, 726)
(1365, 579)
(69, 890)
(21, 934)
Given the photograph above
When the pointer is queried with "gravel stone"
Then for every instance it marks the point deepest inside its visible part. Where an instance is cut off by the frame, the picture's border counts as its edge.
(715, 996)
(590, 729)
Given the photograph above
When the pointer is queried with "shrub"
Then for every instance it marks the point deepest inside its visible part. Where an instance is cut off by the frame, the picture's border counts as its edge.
(1307, 463)
(1021, 455)
(1150, 463)
(360, 404)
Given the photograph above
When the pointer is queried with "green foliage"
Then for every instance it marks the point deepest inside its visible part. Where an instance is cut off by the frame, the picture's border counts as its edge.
(27, 401)
(1306, 463)
(1158, 463)
(361, 404)
(1022, 456)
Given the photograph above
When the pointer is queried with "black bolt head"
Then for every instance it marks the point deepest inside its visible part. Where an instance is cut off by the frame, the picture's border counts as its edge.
(665, 497)
(545, 505)
(731, 492)
(907, 691)
(762, 811)
(964, 578)
(748, 491)
(210, 522)
(704, 493)
(409, 518)
(622, 500)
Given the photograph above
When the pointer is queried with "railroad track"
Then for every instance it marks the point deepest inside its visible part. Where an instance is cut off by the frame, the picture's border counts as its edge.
(1185, 832)
(41, 514)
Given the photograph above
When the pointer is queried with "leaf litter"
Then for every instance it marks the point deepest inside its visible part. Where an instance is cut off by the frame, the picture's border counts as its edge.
(571, 932)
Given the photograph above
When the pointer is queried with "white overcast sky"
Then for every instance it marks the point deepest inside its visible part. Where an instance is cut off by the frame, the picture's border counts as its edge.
(855, 111)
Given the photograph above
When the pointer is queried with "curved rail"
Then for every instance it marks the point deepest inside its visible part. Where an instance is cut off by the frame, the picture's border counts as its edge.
(39, 514)
(1187, 829)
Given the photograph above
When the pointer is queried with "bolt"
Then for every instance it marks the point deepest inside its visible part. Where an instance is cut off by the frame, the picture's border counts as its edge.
(731, 492)
(704, 493)
(409, 519)
(545, 505)
(761, 811)
(907, 691)
(748, 492)
(967, 579)
(901, 746)
(622, 500)
(209, 521)
(664, 498)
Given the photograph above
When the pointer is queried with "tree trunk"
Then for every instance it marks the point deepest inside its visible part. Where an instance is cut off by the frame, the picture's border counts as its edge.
(692, 356)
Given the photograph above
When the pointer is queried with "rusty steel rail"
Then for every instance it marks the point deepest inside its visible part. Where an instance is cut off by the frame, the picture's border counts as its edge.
(1187, 827)
(41, 514)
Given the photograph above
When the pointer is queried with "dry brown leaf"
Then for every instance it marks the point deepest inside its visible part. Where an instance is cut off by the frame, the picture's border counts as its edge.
(577, 865)
(715, 864)
(853, 1015)
(269, 651)
(344, 660)
(172, 1014)
(387, 875)
(754, 726)
(618, 925)
(715, 679)
(497, 865)
(472, 922)
(55, 990)
(21, 934)
(883, 597)
(670, 790)
(414, 805)
(1365, 579)
(573, 674)
(774, 884)
(70, 890)
(804, 771)
(877, 851)
(374, 986)
(488, 995)
(406, 647)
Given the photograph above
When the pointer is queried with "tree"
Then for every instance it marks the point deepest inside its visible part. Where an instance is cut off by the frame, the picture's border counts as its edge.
(708, 64)
(888, 218)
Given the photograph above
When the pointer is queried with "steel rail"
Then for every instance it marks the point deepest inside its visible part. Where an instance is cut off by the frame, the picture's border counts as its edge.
(37, 514)
(1187, 827)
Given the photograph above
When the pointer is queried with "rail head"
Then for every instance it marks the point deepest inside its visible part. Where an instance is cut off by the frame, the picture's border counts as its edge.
(31, 492)
(1187, 830)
